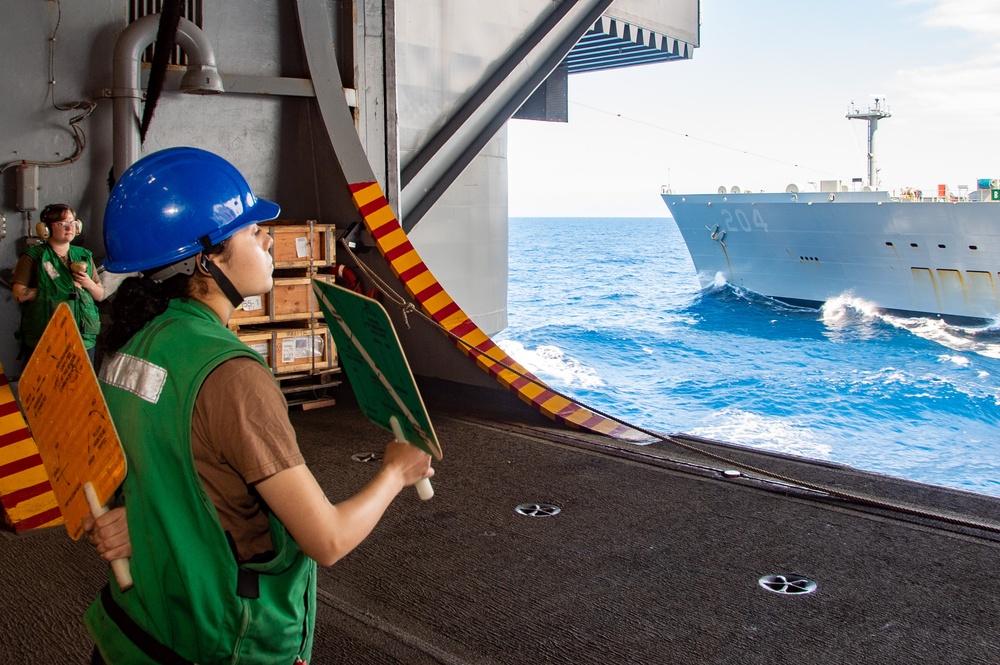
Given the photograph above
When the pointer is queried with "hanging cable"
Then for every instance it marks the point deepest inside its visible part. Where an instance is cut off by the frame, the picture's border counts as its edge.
(85, 108)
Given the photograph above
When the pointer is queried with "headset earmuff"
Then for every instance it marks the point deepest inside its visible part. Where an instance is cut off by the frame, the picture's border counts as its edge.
(42, 230)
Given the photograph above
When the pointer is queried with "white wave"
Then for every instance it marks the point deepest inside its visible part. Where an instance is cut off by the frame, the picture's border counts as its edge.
(849, 312)
(756, 431)
(551, 363)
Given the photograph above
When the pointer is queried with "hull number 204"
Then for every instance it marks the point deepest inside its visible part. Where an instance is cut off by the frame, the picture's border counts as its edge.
(737, 220)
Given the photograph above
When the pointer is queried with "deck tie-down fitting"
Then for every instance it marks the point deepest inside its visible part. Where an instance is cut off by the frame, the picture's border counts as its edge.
(537, 510)
(788, 585)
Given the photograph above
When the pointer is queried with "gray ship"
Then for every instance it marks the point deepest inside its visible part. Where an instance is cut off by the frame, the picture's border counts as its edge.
(906, 253)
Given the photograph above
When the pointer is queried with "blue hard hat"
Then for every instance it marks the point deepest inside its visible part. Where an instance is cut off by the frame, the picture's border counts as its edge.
(174, 203)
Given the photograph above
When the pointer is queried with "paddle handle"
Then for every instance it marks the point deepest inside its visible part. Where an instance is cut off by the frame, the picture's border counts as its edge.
(119, 566)
(424, 489)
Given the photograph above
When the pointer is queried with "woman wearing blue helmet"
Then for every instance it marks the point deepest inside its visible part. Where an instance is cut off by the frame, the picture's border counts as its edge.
(226, 522)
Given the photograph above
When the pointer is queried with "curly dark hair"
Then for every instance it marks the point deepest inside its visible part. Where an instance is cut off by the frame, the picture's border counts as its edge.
(140, 299)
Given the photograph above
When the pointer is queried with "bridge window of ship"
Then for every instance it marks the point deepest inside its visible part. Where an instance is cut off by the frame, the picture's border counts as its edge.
(888, 243)
(973, 247)
(941, 247)
(914, 245)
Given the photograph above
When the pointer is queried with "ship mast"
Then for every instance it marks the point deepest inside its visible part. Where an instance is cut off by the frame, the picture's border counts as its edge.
(872, 115)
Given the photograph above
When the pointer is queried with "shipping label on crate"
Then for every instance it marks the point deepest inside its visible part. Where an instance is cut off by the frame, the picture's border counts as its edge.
(302, 247)
(298, 349)
(253, 304)
(264, 349)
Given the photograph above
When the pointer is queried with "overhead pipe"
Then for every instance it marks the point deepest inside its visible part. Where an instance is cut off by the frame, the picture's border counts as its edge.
(202, 78)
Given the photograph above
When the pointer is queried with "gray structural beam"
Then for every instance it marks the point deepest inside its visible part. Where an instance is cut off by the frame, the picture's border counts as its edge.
(429, 173)
(318, 44)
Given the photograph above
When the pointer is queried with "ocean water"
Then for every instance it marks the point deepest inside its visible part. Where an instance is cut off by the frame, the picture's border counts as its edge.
(609, 311)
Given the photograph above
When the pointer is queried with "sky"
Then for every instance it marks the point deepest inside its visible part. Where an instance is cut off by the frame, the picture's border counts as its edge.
(762, 104)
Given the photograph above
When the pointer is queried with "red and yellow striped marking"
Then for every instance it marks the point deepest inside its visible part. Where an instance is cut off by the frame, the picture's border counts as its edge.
(25, 494)
(423, 287)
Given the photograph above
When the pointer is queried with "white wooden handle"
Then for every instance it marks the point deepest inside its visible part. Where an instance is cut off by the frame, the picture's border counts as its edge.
(424, 489)
(119, 566)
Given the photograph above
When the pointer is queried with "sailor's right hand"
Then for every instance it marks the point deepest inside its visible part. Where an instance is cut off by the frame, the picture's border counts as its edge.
(109, 534)
(411, 463)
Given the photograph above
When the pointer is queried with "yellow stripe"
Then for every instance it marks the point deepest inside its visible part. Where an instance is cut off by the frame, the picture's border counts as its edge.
(555, 404)
(406, 261)
(392, 240)
(17, 451)
(364, 196)
(381, 216)
(439, 301)
(420, 282)
(475, 337)
(455, 320)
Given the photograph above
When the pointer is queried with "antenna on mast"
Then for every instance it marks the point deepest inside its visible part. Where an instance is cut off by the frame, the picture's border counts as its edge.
(872, 115)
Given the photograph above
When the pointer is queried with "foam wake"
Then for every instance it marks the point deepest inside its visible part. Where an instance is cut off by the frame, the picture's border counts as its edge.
(846, 312)
(553, 364)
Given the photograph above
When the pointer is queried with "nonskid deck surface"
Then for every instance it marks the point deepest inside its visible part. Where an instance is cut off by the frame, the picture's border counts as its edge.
(654, 558)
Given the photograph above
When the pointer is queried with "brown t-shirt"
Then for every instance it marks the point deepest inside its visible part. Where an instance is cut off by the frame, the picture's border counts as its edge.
(240, 435)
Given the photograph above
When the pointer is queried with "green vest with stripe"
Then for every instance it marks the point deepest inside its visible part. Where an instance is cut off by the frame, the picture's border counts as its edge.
(185, 571)
(56, 285)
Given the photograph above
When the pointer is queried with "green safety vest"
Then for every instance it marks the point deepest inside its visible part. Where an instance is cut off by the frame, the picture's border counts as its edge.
(56, 285)
(188, 584)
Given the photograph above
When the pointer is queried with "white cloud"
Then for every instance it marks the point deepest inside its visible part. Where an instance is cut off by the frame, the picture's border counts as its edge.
(975, 16)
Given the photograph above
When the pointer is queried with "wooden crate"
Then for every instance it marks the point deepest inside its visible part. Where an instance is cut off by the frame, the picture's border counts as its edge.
(292, 298)
(261, 342)
(302, 244)
(303, 350)
(255, 309)
(289, 350)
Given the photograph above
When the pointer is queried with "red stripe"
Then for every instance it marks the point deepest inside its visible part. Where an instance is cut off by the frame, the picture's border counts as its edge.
(429, 292)
(568, 410)
(446, 311)
(358, 186)
(17, 436)
(519, 383)
(23, 494)
(410, 273)
(464, 328)
(592, 422)
(543, 397)
(383, 230)
(8, 408)
(38, 520)
(11, 468)
(373, 206)
(399, 250)
(620, 430)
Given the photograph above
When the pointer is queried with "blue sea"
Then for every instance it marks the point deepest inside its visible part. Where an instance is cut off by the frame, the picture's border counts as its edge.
(609, 312)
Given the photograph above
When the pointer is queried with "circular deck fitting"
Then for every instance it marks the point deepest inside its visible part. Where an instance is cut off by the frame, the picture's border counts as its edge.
(367, 457)
(788, 585)
(538, 510)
